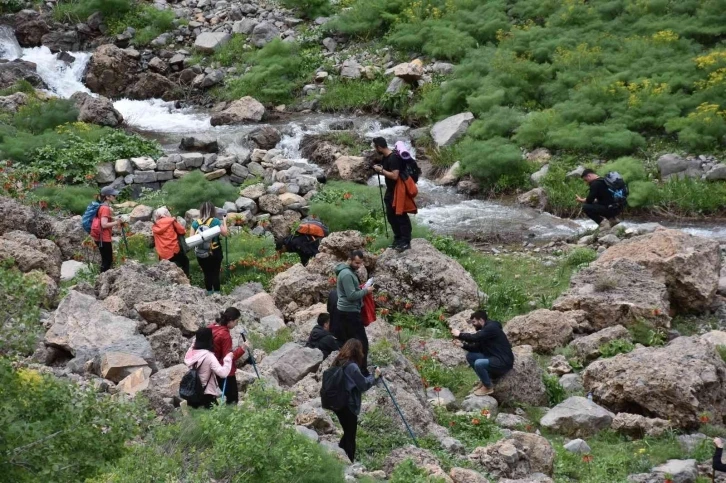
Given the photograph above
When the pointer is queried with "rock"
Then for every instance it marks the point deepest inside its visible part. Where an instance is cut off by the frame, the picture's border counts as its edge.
(208, 42)
(59, 41)
(588, 348)
(84, 328)
(13, 102)
(539, 155)
(270, 204)
(135, 382)
(516, 457)
(141, 213)
(297, 287)
(244, 26)
(622, 292)
(575, 173)
(314, 418)
(352, 168)
(165, 383)
(159, 66)
(718, 172)
(715, 337)
(31, 253)
(419, 456)
(558, 366)
(265, 137)
(690, 264)
(441, 350)
(682, 471)
(524, 382)
(281, 225)
(351, 69)
(115, 366)
(544, 330)
(476, 404)
(308, 433)
(677, 382)
(261, 304)
(150, 85)
(637, 426)
(578, 446)
(69, 235)
(245, 204)
(430, 279)
(191, 143)
(19, 70)
(536, 198)
(96, 110)
(463, 475)
(31, 31)
(14, 215)
(511, 421)
(571, 382)
(533, 478)
(446, 132)
(263, 33)
(254, 192)
(110, 71)
(290, 363)
(216, 174)
(408, 71)
(288, 199)
(538, 176)
(272, 324)
(451, 177)
(243, 110)
(443, 68)
(444, 397)
(71, 268)
(169, 346)
(577, 416)
(674, 165)
(105, 173)
(690, 442)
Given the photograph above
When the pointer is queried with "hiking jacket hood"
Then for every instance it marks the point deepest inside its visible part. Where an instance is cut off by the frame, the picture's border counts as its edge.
(208, 367)
(323, 340)
(166, 230)
(350, 296)
(223, 345)
(492, 342)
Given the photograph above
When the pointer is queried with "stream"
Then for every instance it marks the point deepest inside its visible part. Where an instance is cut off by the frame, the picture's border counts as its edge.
(441, 209)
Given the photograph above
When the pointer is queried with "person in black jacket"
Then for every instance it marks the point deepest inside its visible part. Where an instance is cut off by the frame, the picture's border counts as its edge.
(718, 465)
(599, 205)
(489, 351)
(321, 338)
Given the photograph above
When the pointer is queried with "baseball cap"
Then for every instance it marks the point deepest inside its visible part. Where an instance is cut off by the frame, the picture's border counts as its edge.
(109, 191)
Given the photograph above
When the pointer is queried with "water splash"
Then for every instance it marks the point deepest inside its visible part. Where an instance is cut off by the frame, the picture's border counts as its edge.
(62, 79)
(9, 47)
(161, 116)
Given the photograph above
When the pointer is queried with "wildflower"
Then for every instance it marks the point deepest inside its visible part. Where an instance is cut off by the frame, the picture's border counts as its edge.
(442, 317)
(656, 312)
(424, 358)
(347, 196)
(408, 306)
(587, 458)
(332, 281)
(704, 418)
(384, 312)
(642, 450)
(485, 412)
(475, 421)
(437, 389)
(398, 328)
(452, 423)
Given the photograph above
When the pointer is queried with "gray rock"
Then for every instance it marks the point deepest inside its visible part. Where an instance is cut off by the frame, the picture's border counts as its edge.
(443, 68)
(208, 42)
(309, 433)
(190, 161)
(444, 397)
(351, 69)
(141, 177)
(690, 442)
(60, 41)
(511, 421)
(395, 86)
(144, 163)
(577, 416)
(272, 324)
(472, 403)
(123, 167)
(263, 33)
(105, 173)
(290, 363)
(718, 172)
(449, 130)
(578, 446)
(576, 173)
(669, 164)
(165, 163)
(70, 268)
(244, 26)
(539, 175)
(265, 137)
(682, 471)
(17, 70)
(330, 44)
(96, 110)
(571, 382)
(243, 110)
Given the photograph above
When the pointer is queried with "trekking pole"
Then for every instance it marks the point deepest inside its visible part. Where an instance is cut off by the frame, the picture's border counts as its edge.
(252, 357)
(126, 243)
(226, 257)
(383, 205)
(400, 413)
(224, 390)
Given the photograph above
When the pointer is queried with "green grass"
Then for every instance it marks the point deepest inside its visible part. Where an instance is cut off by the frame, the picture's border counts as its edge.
(377, 436)
(271, 343)
(458, 379)
(73, 199)
(231, 52)
(344, 95)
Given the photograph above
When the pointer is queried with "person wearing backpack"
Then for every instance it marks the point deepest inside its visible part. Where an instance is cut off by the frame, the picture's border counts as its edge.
(102, 226)
(321, 338)
(342, 392)
(201, 357)
(390, 167)
(166, 232)
(225, 322)
(209, 254)
(600, 205)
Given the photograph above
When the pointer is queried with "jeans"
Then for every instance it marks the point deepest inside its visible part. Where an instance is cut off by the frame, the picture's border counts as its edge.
(211, 267)
(480, 364)
(349, 422)
(106, 249)
(599, 212)
(400, 224)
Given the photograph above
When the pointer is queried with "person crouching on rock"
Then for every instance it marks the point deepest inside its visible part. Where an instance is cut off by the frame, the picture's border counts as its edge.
(201, 355)
(166, 232)
(489, 351)
(352, 360)
(350, 304)
(222, 341)
(321, 338)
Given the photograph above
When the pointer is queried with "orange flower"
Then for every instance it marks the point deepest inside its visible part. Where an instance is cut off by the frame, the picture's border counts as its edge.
(408, 305)
(332, 281)
(587, 458)
(442, 317)
(384, 312)
(437, 389)
(704, 418)
(452, 423)
(485, 412)
(424, 358)
(347, 196)
(475, 421)
(656, 312)
(398, 327)
(403, 346)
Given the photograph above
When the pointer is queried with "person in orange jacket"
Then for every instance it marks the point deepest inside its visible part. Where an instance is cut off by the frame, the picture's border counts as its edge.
(226, 321)
(166, 232)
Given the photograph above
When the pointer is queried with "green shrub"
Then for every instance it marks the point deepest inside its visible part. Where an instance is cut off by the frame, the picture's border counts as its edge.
(20, 86)
(408, 472)
(232, 52)
(73, 199)
(271, 343)
(494, 163)
(472, 430)
(377, 436)
(555, 392)
(194, 189)
(39, 116)
(580, 257)
(615, 347)
(458, 379)
(23, 296)
(80, 10)
(149, 22)
(366, 18)
(54, 431)
(343, 95)
(309, 8)
(435, 37)
(349, 206)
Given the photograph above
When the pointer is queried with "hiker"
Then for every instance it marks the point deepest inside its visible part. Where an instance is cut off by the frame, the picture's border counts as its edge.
(352, 359)
(305, 241)
(396, 201)
(599, 206)
(209, 254)
(350, 304)
(201, 355)
(166, 232)
(718, 465)
(102, 227)
(321, 338)
(489, 351)
(222, 339)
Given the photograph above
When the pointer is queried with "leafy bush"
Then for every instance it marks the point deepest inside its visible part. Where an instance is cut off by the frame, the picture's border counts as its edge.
(54, 431)
(80, 10)
(365, 18)
(73, 199)
(615, 347)
(495, 162)
(472, 430)
(580, 257)
(347, 95)
(231, 52)
(271, 343)
(434, 374)
(408, 472)
(149, 22)
(377, 435)
(20, 86)
(194, 189)
(349, 206)
(309, 8)
(555, 392)
(37, 117)
(23, 296)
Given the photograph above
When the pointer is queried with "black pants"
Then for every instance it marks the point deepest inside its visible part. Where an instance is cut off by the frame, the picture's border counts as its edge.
(349, 422)
(210, 267)
(106, 249)
(598, 213)
(231, 395)
(181, 261)
(207, 402)
(400, 224)
(350, 326)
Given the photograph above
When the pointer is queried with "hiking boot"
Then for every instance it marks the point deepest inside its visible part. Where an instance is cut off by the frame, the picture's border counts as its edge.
(613, 222)
(604, 225)
(394, 244)
(484, 391)
(478, 386)
(403, 247)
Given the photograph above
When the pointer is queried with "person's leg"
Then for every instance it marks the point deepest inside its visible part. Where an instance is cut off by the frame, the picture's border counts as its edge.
(405, 223)
(206, 265)
(480, 367)
(217, 258)
(106, 251)
(393, 221)
(209, 401)
(363, 338)
(596, 213)
(471, 358)
(349, 422)
(181, 261)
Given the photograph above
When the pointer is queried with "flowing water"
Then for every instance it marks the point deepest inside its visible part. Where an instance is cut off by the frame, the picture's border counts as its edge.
(441, 208)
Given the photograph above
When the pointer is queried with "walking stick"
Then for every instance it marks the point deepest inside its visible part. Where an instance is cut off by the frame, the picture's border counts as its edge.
(383, 205)
(400, 413)
(126, 243)
(226, 257)
(224, 390)
(252, 357)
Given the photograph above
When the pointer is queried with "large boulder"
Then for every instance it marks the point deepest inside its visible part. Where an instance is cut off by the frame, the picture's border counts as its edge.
(297, 288)
(427, 278)
(263, 33)
(523, 383)
(30, 28)
(169, 346)
(690, 264)
(637, 426)
(31, 253)
(208, 42)
(262, 304)
(61, 41)
(677, 382)
(96, 110)
(620, 293)
(577, 416)
(13, 102)
(16, 70)
(243, 110)
(85, 329)
(16, 216)
(265, 137)
(544, 330)
(290, 363)
(115, 366)
(69, 236)
(150, 85)
(449, 130)
(517, 456)
(352, 168)
(588, 348)
(110, 71)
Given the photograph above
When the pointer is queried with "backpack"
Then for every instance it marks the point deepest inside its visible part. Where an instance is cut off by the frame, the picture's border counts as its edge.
(205, 249)
(333, 394)
(410, 167)
(617, 187)
(190, 387)
(313, 227)
(89, 215)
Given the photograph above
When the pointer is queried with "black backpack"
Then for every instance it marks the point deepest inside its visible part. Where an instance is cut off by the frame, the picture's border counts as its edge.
(333, 393)
(190, 388)
(617, 187)
(410, 168)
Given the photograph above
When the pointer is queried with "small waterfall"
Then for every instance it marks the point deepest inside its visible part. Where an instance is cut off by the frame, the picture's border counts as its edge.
(62, 79)
(161, 116)
(9, 46)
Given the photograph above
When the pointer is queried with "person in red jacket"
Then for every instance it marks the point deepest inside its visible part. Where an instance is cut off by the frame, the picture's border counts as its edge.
(226, 321)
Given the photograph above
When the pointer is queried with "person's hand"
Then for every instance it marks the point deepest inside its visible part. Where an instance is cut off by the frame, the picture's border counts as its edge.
(377, 373)
(370, 289)
(455, 332)
(718, 442)
(378, 168)
(579, 199)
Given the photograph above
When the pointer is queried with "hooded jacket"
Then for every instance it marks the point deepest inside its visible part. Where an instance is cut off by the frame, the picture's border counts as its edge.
(223, 345)
(403, 196)
(166, 230)
(492, 342)
(207, 366)
(356, 384)
(350, 296)
(323, 340)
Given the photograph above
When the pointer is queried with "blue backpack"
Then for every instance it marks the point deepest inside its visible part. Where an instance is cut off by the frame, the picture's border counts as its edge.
(89, 215)
(617, 187)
